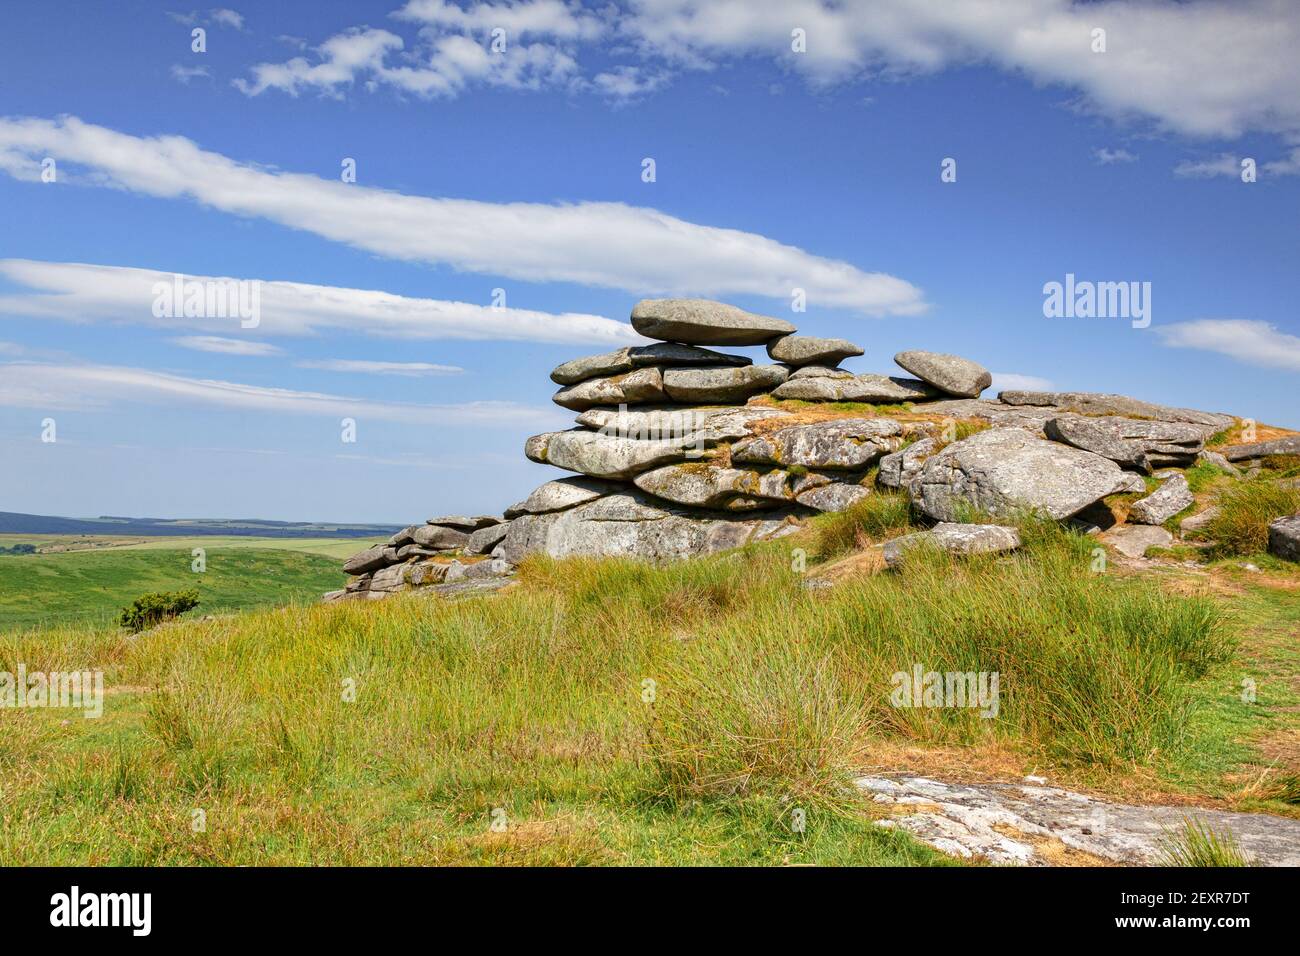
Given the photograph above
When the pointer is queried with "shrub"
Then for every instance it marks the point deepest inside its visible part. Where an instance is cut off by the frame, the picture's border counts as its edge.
(1245, 510)
(150, 609)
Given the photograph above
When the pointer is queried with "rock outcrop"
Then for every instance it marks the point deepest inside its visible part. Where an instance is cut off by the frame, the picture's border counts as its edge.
(679, 450)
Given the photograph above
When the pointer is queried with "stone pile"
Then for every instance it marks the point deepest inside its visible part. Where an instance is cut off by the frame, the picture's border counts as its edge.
(680, 450)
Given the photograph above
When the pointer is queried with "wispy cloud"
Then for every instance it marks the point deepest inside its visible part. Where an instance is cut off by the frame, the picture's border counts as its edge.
(184, 74)
(227, 18)
(1246, 340)
(593, 243)
(61, 387)
(410, 369)
(1011, 381)
(1225, 164)
(1107, 157)
(78, 292)
(223, 346)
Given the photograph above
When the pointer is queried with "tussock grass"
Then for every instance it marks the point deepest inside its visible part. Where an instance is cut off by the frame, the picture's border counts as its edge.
(1245, 510)
(876, 516)
(1198, 844)
(613, 711)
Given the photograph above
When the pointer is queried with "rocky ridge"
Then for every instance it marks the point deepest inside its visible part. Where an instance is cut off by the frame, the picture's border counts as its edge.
(680, 450)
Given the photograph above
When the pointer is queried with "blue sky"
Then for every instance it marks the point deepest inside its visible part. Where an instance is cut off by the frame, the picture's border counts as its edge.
(521, 170)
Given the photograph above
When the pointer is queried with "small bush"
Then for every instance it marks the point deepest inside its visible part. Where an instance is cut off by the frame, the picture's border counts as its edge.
(1245, 510)
(150, 609)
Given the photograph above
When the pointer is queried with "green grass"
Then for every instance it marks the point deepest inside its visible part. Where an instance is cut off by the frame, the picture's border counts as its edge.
(874, 517)
(92, 586)
(1198, 844)
(1245, 510)
(614, 712)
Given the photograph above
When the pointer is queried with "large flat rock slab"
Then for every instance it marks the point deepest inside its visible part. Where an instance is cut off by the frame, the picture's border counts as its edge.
(634, 525)
(1104, 403)
(843, 443)
(640, 356)
(1289, 445)
(809, 350)
(704, 322)
(841, 386)
(1134, 443)
(609, 456)
(1014, 823)
(722, 385)
(631, 388)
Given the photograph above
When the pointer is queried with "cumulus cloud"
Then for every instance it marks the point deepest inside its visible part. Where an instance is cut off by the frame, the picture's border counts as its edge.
(409, 369)
(77, 292)
(224, 346)
(1246, 340)
(81, 387)
(606, 244)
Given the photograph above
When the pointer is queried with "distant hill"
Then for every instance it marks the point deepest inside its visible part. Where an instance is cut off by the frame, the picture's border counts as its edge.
(15, 523)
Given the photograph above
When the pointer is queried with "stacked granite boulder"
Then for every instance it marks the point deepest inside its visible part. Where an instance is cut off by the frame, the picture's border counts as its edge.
(680, 450)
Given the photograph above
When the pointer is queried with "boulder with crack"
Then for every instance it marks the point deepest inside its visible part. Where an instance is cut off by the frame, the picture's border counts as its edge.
(1133, 443)
(840, 443)
(1004, 470)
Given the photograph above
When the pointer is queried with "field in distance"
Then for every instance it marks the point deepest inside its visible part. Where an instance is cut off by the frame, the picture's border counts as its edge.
(89, 578)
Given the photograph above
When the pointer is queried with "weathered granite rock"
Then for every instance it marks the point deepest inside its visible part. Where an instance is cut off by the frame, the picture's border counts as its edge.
(493, 567)
(608, 456)
(1131, 483)
(1171, 497)
(640, 356)
(462, 522)
(562, 493)
(899, 468)
(706, 485)
(1002, 470)
(1133, 540)
(1219, 462)
(485, 539)
(439, 538)
(721, 384)
(1018, 823)
(1102, 403)
(835, 497)
(854, 388)
(1290, 445)
(847, 443)
(704, 322)
(1200, 520)
(371, 559)
(631, 388)
(948, 373)
(1284, 537)
(960, 539)
(1134, 443)
(402, 537)
(707, 423)
(808, 350)
(633, 525)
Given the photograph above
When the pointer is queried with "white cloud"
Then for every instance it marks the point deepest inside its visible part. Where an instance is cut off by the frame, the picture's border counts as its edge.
(1010, 381)
(228, 18)
(60, 387)
(1225, 164)
(606, 244)
(411, 369)
(76, 292)
(548, 18)
(1246, 340)
(1205, 67)
(627, 82)
(223, 346)
(1107, 156)
(184, 74)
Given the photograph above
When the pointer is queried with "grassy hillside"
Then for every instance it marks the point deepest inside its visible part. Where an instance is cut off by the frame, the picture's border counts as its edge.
(91, 586)
(609, 712)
